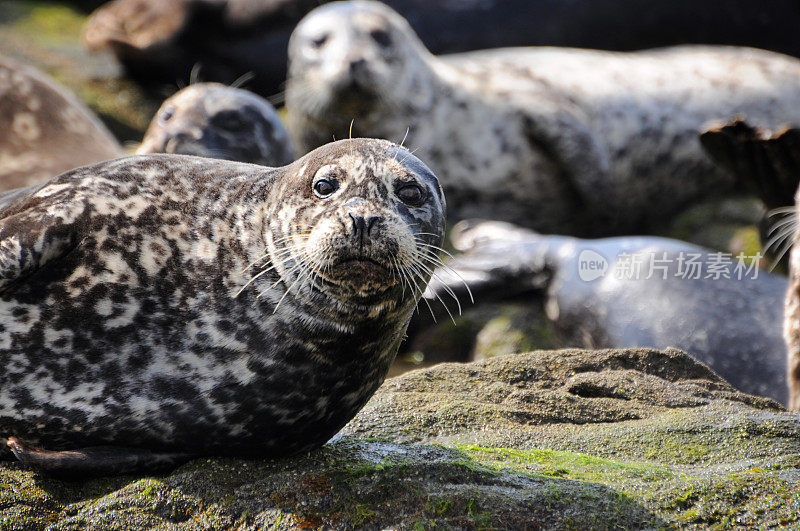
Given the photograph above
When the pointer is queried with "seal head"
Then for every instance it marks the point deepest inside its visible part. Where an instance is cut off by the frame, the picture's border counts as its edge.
(217, 121)
(355, 56)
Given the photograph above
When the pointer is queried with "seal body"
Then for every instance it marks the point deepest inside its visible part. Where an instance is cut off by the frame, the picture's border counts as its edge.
(213, 120)
(183, 304)
(559, 140)
(45, 129)
(636, 291)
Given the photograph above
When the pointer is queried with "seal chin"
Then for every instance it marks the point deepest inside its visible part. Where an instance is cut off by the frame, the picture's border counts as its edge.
(366, 274)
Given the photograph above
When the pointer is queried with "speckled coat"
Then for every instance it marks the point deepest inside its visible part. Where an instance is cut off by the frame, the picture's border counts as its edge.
(122, 315)
(558, 140)
(45, 130)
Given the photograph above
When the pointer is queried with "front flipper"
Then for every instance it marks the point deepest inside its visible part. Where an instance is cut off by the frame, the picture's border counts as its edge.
(33, 232)
(94, 461)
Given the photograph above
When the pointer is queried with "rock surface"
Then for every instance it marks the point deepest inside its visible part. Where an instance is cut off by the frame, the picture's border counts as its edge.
(560, 439)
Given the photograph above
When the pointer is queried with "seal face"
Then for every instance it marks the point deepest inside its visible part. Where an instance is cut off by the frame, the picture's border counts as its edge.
(46, 130)
(213, 120)
(183, 304)
(558, 140)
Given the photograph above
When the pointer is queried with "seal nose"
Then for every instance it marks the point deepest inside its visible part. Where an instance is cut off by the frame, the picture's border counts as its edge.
(357, 66)
(362, 227)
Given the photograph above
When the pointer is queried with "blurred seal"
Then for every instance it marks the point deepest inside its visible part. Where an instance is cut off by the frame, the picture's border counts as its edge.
(213, 120)
(45, 129)
(560, 140)
(182, 306)
(634, 291)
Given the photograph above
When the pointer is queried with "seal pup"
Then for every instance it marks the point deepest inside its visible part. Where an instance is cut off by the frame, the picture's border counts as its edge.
(633, 291)
(217, 121)
(560, 140)
(178, 305)
(45, 130)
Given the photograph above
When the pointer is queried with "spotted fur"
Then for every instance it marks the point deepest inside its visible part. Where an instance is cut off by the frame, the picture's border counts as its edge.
(44, 130)
(139, 299)
(217, 121)
(555, 139)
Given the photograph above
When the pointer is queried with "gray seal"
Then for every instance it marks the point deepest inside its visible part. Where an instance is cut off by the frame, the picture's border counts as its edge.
(178, 305)
(217, 121)
(45, 129)
(559, 140)
(634, 291)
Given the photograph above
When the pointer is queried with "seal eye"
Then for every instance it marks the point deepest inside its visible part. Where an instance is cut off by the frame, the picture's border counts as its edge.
(411, 194)
(325, 187)
(166, 114)
(320, 41)
(382, 37)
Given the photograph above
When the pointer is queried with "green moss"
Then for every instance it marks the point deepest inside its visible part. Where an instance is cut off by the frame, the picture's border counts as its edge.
(570, 465)
(49, 23)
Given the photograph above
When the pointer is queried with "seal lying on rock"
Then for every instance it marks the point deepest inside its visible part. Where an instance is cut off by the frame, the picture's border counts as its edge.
(157, 40)
(45, 129)
(186, 306)
(559, 140)
(213, 120)
(635, 291)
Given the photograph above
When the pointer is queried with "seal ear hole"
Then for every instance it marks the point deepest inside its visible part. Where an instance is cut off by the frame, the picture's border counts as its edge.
(166, 115)
(382, 37)
(411, 194)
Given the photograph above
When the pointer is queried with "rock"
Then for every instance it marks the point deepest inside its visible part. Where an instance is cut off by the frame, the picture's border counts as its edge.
(635, 438)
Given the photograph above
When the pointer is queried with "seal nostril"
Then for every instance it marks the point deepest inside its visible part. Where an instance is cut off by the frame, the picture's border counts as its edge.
(359, 226)
(357, 65)
(372, 221)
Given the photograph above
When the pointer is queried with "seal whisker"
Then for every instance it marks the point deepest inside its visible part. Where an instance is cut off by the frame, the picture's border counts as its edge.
(447, 288)
(414, 268)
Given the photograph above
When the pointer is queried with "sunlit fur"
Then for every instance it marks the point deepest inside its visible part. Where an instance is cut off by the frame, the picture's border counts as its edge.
(787, 234)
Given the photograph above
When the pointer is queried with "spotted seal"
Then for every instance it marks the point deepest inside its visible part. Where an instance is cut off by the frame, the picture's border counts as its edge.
(214, 120)
(560, 140)
(45, 129)
(178, 305)
(633, 291)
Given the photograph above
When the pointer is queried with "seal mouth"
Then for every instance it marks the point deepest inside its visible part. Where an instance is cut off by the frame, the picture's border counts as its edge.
(363, 264)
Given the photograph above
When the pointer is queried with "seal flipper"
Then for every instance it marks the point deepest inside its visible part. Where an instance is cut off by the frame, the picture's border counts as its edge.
(30, 236)
(94, 461)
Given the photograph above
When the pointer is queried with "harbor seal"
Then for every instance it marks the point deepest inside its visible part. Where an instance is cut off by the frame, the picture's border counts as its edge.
(46, 130)
(571, 141)
(178, 305)
(633, 291)
(213, 120)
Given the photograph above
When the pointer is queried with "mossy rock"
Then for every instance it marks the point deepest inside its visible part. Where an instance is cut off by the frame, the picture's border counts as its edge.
(570, 439)
(47, 35)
